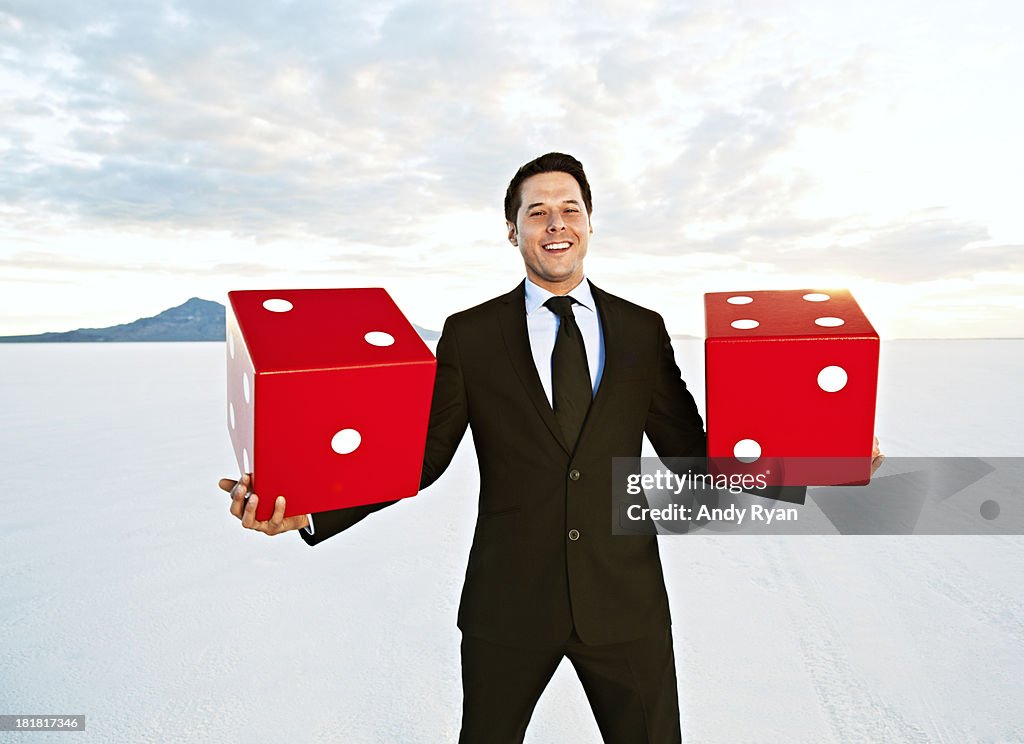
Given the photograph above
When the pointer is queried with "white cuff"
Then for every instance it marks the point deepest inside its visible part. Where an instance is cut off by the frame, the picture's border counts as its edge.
(309, 528)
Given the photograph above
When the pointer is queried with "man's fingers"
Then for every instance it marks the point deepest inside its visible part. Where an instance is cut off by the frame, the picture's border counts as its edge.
(276, 522)
(238, 490)
(249, 515)
(227, 484)
(237, 504)
(245, 510)
(238, 494)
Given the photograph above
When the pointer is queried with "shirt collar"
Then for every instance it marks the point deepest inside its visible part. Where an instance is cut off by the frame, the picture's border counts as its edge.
(536, 295)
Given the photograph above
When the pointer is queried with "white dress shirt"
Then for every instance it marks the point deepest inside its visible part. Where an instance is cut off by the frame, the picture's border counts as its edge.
(542, 327)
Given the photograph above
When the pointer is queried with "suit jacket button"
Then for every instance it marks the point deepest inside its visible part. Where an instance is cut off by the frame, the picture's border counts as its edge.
(574, 474)
(574, 535)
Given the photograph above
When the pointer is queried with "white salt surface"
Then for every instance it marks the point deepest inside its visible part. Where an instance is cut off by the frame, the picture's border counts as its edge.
(129, 594)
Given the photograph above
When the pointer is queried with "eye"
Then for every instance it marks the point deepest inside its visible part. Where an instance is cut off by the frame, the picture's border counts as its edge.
(536, 213)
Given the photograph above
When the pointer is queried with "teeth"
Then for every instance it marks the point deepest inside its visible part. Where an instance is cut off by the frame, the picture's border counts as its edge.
(556, 246)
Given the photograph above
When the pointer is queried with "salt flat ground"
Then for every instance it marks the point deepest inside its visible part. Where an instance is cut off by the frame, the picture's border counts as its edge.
(128, 593)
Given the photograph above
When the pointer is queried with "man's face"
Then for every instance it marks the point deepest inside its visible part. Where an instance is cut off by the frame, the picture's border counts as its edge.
(552, 230)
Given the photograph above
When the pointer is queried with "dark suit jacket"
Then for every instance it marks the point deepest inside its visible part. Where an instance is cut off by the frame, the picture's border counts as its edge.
(527, 582)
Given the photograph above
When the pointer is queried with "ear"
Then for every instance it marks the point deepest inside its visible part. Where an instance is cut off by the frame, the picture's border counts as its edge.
(511, 233)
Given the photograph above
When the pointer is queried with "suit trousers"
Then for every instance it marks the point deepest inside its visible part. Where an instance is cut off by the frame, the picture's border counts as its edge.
(631, 687)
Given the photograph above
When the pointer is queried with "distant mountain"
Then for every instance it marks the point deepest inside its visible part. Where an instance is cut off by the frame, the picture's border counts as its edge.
(426, 334)
(195, 320)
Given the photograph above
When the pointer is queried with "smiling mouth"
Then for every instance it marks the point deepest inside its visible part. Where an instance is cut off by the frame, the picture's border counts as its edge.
(557, 247)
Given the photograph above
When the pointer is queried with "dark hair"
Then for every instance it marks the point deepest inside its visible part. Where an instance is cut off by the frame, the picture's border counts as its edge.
(553, 162)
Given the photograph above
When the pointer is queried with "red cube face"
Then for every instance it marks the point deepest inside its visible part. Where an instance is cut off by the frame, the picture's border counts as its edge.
(791, 379)
(328, 397)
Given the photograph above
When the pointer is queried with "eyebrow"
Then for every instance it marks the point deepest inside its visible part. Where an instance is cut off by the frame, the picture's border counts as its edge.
(541, 204)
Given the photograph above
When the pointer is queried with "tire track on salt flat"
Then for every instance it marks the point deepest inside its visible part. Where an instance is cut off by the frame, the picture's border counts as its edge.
(854, 712)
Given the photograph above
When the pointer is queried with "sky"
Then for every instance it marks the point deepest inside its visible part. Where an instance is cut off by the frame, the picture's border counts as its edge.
(155, 151)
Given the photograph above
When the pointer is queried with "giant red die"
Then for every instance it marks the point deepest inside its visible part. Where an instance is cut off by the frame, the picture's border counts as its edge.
(328, 397)
(791, 378)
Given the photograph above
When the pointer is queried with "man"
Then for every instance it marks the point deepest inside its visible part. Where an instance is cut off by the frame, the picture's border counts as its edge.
(555, 378)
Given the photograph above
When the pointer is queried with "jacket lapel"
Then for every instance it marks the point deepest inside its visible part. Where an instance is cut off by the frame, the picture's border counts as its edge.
(611, 331)
(512, 316)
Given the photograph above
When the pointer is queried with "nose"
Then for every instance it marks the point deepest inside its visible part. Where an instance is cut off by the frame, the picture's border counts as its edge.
(556, 222)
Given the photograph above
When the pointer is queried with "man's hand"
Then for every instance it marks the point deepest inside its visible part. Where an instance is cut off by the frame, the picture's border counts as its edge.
(277, 523)
(877, 458)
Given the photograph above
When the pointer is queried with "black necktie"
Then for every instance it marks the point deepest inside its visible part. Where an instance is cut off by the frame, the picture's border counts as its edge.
(571, 389)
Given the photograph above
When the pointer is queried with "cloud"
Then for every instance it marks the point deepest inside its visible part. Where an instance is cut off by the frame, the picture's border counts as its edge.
(285, 120)
(918, 248)
(58, 264)
(362, 124)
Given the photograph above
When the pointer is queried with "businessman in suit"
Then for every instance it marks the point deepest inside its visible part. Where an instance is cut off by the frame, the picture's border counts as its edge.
(555, 378)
